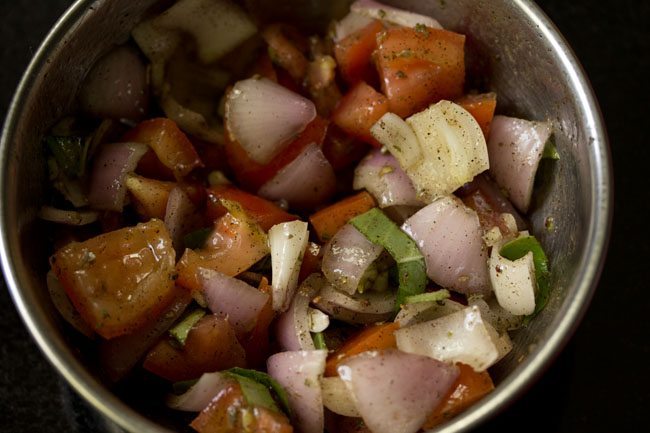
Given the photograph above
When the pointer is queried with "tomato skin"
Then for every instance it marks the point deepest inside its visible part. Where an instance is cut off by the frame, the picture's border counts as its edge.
(120, 280)
(174, 150)
(262, 211)
(481, 107)
(358, 110)
(354, 52)
(418, 67)
(252, 175)
(211, 345)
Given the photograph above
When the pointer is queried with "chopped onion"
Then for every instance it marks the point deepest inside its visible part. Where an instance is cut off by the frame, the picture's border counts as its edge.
(349, 24)
(191, 121)
(380, 11)
(116, 87)
(180, 216)
(369, 307)
(347, 257)
(381, 175)
(217, 26)
(457, 337)
(516, 147)
(157, 43)
(293, 326)
(64, 306)
(411, 314)
(69, 217)
(305, 182)
(513, 282)
(288, 242)
(495, 315)
(395, 391)
(318, 321)
(200, 394)
(449, 236)
(300, 373)
(338, 398)
(263, 116)
(502, 342)
(233, 299)
(112, 164)
(440, 148)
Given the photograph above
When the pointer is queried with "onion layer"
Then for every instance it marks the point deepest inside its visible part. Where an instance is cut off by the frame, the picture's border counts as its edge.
(70, 217)
(449, 236)
(349, 24)
(263, 116)
(200, 394)
(366, 308)
(293, 325)
(338, 398)
(513, 282)
(288, 242)
(379, 11)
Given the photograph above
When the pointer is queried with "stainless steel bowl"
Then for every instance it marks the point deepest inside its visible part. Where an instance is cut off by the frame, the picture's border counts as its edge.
(511, 45)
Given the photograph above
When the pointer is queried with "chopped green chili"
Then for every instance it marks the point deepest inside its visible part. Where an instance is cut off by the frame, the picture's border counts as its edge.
(181, 329)
(197, 238)
(265, 380)
(438, 295)
(319, 340)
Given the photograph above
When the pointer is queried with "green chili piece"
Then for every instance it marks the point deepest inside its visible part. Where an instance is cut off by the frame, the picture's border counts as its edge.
(69, 153)
(380, 230)
(265, 380)
(319, 340)
(255, 393)
(438, 295)
(181, 329)
(197, 238)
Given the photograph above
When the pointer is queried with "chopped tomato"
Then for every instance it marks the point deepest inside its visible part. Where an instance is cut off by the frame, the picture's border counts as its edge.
(235, 244)
(358, 110)
(482, 107)
(151, 167)
(470, 387)
(262, 211)
(170, 144)
(211, 345)
(286, 49)
(149, 195)
(328, 221)
(229, 412)
(420, 66)
(120, 280)
(311, 261)
(374, 337)
(353, 53)
(253, 175)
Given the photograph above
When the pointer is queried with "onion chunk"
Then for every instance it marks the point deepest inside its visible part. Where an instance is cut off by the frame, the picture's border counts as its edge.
(288, 242)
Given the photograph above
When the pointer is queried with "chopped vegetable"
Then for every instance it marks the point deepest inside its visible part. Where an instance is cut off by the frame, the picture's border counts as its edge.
(197, 239)
(359, 109)
(149, 195)
(436, 296)
(337, 397)
(69, 153)
(329, 220)
(354, 51)
(288, 242)
(513, 282)
(365, 308)
(181, 329)
(400, 17)
(69, 217)
(319, 341)
(293, 326)
(380, 230)
(481, 107)
(266, 380)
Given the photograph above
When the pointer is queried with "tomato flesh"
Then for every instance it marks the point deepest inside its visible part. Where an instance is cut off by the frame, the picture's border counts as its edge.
(358, 110)
(354, 52)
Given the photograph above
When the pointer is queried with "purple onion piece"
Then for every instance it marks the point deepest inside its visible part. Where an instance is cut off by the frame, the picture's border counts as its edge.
(292, 328)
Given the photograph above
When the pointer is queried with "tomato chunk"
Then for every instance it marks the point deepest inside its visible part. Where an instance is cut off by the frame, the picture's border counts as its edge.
(262, 211)
(354, 52)
(120, 280)
(229, 412)
(170, 144)
(235, 244)
(358, 110)
(328, 221)
(341, 149)
(420, 66)
(482, 107)
(252, 175)
(211, 345)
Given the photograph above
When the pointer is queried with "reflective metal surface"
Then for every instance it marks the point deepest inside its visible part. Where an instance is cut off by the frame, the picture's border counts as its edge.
(511, 46)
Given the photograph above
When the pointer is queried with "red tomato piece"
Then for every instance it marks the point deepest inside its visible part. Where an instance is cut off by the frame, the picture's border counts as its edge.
(252, 175)
(170, 144)
(358, 110)
(420, 66)
(121, 280)
(354, 52)
(211, 345)
(482, 107)
(341, 149)
(262, 211)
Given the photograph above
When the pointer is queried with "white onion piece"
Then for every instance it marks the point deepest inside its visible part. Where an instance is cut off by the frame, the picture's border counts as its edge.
(516, 147)
(381, 175)
(293, 325)
(380, 11)
(457, 337)
(502, 342)
(346, 258)
(157, 43)
(112, 164)
(418, 312)
(69, 217)
(200, 394)
(338, 398)
(366, 308)
(233, 299)
(263, 117)
(351, 23)
(300, 373)
(318, 321)
(64, 306)
(513, 282)
(180, 216)
(449, 236)
(495, 315)
(116, 87)
(217, 26)
(288, 242)
(395, 391)
(305, 182)
(444, 150)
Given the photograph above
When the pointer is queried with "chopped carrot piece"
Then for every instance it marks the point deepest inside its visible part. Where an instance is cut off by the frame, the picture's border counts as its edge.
(374, 337)
(481, 107)
(329, 220)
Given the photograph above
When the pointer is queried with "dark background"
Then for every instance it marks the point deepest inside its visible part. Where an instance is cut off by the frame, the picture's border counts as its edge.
(600, 382)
